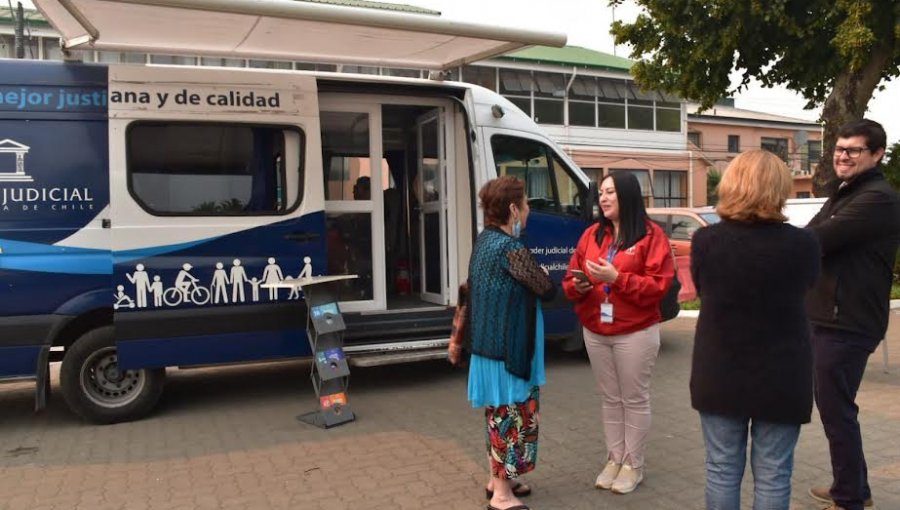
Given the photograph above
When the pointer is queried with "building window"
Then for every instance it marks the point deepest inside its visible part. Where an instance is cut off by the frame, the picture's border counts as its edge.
(734, 143)
(115, 57)
(594, 174)
(668, 119)
(670, 188)
(359, 69)
(549, 98)
(173, 60)
(582, 101)
(404, 73)
(516, 86)
(611, 96)
(307, 66)
(813, 153)
(483, 76)
(222, 62)
(53, 52)
(8, 47)
(269, 64)
(643, 177)
(694, 138)
(777, 146)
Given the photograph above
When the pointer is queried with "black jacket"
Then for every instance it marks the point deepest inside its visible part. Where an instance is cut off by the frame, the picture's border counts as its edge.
(858, 229)
(752, 357)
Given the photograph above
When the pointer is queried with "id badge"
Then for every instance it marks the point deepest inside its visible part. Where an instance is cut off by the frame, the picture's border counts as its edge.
(606, 313)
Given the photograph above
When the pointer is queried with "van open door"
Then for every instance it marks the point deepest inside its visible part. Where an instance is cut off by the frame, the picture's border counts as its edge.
(432, 193)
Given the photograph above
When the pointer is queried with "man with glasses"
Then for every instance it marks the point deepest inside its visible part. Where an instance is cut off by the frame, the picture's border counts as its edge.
(859, 231)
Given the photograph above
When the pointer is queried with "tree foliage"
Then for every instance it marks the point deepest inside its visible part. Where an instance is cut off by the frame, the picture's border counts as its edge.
(891, 166)
(833, 52)
(712, 186)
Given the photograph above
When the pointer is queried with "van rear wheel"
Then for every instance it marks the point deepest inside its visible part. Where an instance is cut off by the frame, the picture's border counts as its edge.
(97, 390)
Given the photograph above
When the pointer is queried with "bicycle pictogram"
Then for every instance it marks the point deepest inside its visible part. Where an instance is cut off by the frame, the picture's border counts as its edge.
(174, 296)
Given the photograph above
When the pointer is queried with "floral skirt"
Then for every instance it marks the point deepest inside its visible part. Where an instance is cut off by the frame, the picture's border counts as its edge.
(512, 436)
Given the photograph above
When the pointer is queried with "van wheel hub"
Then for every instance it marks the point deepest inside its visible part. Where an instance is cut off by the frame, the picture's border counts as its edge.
(105, 384)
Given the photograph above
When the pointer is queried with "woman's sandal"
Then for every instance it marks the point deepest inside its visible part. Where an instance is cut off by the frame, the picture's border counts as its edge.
(519, 490)
(517, 507)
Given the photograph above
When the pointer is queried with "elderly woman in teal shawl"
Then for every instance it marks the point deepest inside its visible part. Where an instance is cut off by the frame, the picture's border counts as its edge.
(505, 329)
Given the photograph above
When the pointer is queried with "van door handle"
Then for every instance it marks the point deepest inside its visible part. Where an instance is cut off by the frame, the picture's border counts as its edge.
(303, 237)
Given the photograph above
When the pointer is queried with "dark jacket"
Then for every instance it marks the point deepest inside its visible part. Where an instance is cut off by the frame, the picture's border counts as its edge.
(752, 356)
(858, 229)
(504, 280)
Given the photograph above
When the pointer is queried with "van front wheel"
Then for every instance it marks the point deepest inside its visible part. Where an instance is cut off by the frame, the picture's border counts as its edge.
(96, 389)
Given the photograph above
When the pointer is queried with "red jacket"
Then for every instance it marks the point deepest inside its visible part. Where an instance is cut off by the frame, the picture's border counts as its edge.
(645, 274)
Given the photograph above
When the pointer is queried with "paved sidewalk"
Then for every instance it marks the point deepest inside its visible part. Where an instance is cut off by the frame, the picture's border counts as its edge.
(226, 438)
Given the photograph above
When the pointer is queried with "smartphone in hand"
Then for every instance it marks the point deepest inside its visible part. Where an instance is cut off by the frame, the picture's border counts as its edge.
(580, 276)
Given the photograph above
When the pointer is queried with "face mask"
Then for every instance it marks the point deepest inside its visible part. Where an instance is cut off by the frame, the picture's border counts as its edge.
(517, 224)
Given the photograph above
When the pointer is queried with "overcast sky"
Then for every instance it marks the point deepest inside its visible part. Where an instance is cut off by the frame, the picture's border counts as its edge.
(586, 23)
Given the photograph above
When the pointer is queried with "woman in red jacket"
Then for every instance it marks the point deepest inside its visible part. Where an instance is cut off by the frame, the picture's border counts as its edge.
(619, 273)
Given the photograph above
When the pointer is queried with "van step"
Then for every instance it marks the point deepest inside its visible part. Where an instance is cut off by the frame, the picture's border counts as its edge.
(394, 358)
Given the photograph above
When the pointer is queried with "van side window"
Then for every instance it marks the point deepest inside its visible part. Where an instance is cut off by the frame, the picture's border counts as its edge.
(550, 187)
(212, 169)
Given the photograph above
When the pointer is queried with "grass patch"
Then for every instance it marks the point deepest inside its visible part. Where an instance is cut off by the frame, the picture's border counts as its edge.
(895, 291)
(693, 304)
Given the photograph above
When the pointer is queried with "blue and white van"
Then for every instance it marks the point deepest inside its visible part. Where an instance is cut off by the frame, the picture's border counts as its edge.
(143, 210)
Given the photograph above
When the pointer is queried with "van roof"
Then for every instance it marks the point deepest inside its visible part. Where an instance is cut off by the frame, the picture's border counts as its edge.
(283, 29)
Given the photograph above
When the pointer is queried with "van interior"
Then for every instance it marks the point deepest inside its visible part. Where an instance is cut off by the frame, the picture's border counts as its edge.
(410, 176)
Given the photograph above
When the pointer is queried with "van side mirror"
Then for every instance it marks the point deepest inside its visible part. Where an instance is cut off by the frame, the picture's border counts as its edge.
(589, 207)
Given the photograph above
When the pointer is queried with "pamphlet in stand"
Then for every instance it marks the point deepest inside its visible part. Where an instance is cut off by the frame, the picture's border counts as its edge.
(325, 327)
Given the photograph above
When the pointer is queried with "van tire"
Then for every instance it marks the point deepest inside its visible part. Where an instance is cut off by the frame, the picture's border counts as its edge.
(93, 387)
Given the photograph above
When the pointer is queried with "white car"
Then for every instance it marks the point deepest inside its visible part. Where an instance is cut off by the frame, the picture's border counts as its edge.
(800, 211)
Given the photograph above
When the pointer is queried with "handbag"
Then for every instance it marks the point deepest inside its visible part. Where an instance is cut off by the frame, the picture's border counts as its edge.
(457, 345)
(669, 306)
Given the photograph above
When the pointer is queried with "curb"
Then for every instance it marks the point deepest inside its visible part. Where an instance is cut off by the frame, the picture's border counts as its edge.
(693, 314)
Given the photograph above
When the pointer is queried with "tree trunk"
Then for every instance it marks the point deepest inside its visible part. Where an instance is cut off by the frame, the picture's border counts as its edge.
(846, 103)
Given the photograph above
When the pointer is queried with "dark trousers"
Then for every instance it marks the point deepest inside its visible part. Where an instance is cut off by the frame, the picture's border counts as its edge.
(840, 361)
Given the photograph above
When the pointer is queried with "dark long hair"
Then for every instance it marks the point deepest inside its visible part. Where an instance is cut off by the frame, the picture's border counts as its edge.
(632, 214)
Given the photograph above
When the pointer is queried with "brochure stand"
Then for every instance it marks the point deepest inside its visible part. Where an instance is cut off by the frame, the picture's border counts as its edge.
(325, 327)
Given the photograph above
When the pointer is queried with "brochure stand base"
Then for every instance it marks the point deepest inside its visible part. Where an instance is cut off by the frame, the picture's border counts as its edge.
(326, 420)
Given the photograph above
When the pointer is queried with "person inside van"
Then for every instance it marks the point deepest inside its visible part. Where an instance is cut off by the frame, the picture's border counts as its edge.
(621, 270)
(506, 334)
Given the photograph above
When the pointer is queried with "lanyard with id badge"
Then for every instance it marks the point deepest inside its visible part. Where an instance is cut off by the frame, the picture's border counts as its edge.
(606, 308)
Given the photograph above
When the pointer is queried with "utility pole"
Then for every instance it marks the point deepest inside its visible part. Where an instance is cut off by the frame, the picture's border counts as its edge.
(614, 20)
(19, 31)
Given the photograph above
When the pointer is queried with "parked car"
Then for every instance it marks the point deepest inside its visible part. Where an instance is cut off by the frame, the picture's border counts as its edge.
(679, 224)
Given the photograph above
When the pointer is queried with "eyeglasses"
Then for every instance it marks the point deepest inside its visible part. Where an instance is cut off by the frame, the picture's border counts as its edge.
(853, 152)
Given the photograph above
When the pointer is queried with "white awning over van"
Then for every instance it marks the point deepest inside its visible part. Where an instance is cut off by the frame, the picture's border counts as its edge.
(282, 29)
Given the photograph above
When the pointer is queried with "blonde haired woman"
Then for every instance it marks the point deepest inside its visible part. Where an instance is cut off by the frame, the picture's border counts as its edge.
(752, 365)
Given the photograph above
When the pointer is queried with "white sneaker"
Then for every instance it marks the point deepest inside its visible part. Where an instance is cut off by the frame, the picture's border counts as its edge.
(606, 477)
(627, 479)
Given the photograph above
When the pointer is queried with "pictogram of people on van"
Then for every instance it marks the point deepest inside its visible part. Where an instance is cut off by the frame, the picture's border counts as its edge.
(225, 286)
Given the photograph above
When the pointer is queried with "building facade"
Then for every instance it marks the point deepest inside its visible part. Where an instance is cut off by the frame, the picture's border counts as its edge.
(719, 134)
